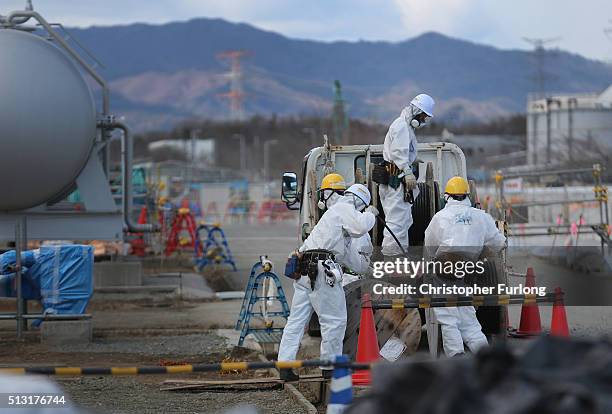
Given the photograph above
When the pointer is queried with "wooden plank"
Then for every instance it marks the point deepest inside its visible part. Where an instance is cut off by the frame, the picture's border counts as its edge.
(175, 385)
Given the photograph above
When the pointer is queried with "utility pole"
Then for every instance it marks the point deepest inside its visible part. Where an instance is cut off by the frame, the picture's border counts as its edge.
(340, 121)
(243, 151)
(266, 161)
(540, 62)
(236, 94)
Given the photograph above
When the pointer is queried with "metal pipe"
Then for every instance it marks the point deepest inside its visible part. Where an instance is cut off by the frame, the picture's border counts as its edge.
(23, 20)
(535, 227)
(546, 172)
(548, 134)
(18, 274)
(45, 317)
(127, 154)
(548, 137)
(550, 203)
(243, 154)
(551, 234)
(266, 160)
(571, 104)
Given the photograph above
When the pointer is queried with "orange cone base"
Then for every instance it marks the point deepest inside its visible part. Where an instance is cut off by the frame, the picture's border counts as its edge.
(361, 377)
(558, 325)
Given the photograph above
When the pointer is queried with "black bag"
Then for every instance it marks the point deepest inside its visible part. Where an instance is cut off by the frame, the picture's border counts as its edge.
(380, 173)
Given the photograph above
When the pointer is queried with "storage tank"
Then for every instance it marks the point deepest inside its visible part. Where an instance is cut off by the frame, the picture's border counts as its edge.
(47, 120)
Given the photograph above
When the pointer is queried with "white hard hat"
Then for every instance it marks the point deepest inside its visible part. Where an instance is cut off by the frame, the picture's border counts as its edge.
(425, 103)
(360, 191)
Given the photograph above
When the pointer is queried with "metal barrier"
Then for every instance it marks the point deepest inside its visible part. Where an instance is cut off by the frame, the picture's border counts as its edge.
(182, 369)
(454, 301)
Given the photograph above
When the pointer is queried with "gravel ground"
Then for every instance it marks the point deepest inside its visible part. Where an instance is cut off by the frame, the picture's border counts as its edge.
(184, 345)
(142, 395)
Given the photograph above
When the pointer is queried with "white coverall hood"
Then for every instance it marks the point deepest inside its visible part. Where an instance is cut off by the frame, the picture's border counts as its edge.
(409, 113)
(461, 229)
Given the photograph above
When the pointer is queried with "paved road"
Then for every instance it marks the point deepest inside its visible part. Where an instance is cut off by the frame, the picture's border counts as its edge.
(249, 241)
(277, 240)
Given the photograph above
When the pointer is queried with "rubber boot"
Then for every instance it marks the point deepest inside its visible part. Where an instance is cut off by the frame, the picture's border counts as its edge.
(288, 375)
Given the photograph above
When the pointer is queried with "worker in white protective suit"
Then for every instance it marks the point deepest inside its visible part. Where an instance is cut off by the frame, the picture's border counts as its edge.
(460, 232)
(320, 287)
(399, 152)
(359, 251)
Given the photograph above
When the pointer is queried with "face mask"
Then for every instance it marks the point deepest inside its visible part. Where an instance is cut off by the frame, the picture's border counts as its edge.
(415, 123)
(357, 202)
(323, 202)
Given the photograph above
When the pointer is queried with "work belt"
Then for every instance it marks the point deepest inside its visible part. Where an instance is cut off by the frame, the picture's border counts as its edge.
(387, 173)
(309, 263)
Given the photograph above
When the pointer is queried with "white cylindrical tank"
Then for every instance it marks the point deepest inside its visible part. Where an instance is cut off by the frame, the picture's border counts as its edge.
(47, 120)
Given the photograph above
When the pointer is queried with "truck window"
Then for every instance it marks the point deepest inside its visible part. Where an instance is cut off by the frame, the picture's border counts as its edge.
(360, 161)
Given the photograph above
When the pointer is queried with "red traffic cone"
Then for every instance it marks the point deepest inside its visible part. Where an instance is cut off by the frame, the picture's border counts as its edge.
(530, 313)
(558, 324)
(367, 343)
(142, 218)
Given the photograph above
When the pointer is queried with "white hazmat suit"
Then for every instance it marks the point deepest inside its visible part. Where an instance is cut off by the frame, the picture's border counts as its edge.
(461, 230)
(340, 222)
(400, 148)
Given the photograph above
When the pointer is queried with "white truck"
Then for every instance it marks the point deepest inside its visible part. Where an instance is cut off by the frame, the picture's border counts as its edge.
(438, 162)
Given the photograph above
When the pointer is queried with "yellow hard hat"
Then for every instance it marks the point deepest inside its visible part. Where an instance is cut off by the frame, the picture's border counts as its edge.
(457, 186)
(333, 182)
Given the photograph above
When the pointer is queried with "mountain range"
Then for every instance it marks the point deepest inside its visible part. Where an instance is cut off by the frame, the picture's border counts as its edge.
(162, 74)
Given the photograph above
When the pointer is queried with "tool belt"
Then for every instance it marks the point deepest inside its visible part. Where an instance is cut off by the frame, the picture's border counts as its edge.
(380, 173)
(309, 263)
(387, 173)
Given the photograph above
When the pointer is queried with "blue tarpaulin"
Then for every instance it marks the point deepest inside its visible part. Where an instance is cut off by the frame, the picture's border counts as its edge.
(60, 277)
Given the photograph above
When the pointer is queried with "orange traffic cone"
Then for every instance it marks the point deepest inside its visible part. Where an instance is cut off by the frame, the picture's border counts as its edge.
(530, 313)
(142, 218)
(367, 343)
(558, 324)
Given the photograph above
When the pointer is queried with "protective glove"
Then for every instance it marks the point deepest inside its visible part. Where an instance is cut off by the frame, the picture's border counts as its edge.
(333, 272)
(409, 180)
(373, 210)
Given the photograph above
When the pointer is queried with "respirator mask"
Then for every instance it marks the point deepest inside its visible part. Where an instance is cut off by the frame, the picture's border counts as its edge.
(357, 202)
(325, 196)
(419, 120)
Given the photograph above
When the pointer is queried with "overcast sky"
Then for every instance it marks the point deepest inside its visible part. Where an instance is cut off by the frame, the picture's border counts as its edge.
(502, 23)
